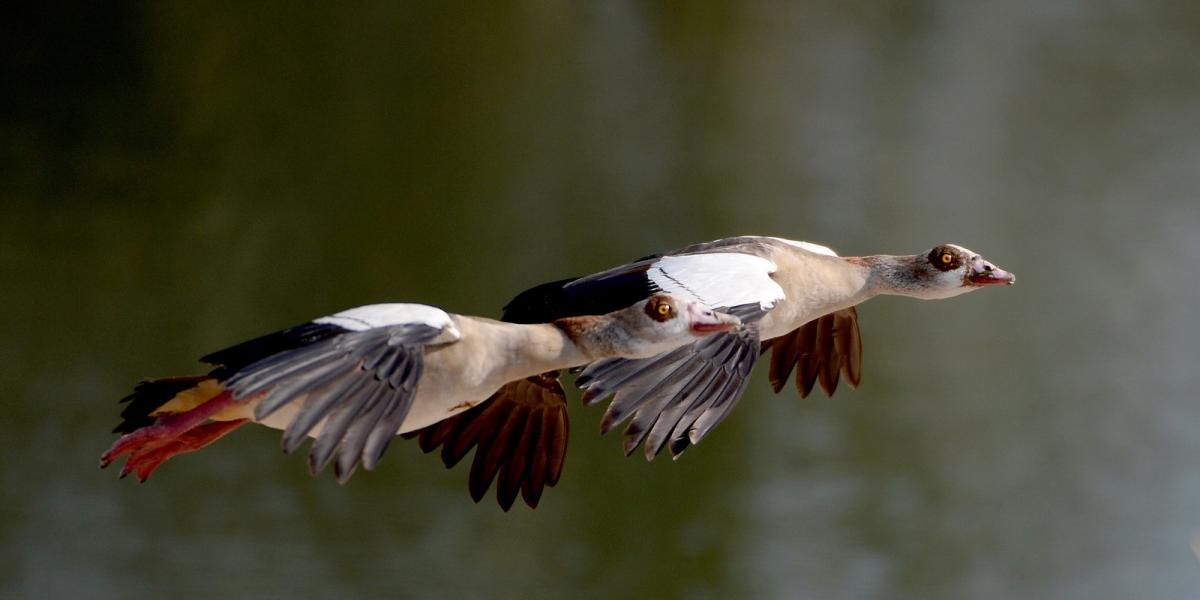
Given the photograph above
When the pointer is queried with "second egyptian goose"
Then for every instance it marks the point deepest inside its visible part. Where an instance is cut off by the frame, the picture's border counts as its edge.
(796, 298)
(355, 379)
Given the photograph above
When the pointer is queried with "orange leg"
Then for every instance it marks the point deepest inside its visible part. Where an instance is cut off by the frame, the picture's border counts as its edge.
(144, 462)
(170, 436)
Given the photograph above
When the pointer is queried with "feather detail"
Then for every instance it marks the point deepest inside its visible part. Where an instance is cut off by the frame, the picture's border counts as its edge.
(519, 433)
(820, 351)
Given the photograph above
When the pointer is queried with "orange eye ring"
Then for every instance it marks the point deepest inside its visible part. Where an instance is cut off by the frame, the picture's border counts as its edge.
(947, 258)
(664, 310)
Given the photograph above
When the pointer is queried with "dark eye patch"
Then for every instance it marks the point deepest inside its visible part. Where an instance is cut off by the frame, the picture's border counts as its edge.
(937, 258)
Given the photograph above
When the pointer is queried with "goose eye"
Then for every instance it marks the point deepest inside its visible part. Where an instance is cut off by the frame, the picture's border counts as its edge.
(659, 309)
(947, 258)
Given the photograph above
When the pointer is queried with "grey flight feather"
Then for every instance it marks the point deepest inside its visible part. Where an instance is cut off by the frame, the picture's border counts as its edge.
(681, 395)
(341, 418)
(361, 384)
(356, 437)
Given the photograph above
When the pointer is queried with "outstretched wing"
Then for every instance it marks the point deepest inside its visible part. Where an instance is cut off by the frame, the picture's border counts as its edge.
(352, 387)
(819, 350)
(723, 273)
(675, 399)
(521, 433)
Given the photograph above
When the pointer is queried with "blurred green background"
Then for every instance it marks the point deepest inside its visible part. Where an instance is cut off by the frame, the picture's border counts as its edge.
(179, 177)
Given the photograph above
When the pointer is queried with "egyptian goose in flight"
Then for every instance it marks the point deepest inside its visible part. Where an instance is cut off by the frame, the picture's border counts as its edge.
(355, 379)
(795, 298)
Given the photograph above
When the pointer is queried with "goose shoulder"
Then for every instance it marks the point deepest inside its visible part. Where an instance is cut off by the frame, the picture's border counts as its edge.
(372, 316)
(812, 278)
(719, 279)
(722, 274)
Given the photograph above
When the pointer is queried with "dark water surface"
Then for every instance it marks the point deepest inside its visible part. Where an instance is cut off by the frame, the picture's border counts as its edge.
(175, 179)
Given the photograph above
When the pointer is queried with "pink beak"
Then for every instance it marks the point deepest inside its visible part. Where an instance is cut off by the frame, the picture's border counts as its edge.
(705, 320)
(985, 273)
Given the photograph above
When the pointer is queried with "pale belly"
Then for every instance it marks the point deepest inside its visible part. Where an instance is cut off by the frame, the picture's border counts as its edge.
(804, 303)
(771, 327)
(783, 319)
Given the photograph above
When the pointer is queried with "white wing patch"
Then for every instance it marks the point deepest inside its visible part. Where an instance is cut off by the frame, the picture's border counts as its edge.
(811, 247)
(384, 315)
(719, 279)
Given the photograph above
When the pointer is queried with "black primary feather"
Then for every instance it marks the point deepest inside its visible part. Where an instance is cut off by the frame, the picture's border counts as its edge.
(234, 358)
(577, 297)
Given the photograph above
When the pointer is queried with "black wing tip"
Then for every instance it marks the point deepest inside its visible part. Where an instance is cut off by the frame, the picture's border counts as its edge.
(531, 499)
(343, 475)
(678, 445)
(247, 352)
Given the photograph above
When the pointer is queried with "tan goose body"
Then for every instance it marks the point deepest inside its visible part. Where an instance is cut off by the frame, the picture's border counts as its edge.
(814, 281)
(795, 299)
(357, 378)
(491, 353)
(460, 373)
(798, 300)
(814, 285)
(465, 368)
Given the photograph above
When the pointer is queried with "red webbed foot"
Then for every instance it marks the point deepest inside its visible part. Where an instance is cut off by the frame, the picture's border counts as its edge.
(170, 436)
(145, 459)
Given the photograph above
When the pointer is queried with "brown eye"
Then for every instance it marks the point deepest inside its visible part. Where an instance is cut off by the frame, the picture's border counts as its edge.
(947, 258)
(659, 308)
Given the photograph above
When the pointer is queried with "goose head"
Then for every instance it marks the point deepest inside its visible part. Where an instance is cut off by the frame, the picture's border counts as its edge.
(947, 270)
(664, 322)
